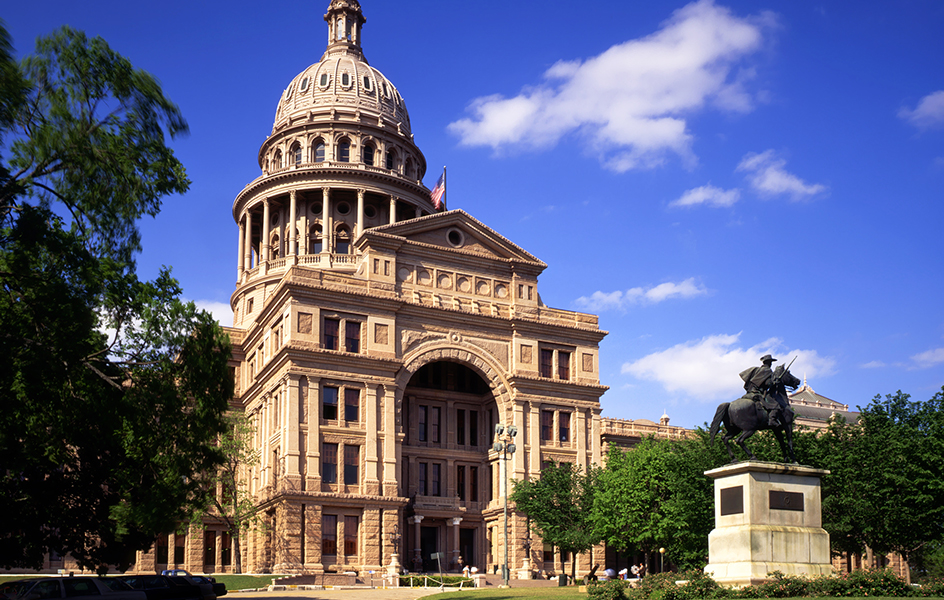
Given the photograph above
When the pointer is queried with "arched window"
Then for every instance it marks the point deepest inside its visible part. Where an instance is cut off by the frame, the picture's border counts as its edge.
(277, 160)
(296, 154)
(391, 160)
(315, 241)
(344, 151)
(408, 171)
(342, 241)
(274, 247)
(368, 154)
(340, 28)
(319, 151)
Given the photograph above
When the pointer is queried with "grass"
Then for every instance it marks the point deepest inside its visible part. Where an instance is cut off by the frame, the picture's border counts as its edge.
(245, 582)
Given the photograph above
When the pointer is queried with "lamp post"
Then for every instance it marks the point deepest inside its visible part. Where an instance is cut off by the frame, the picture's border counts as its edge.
(662, 560)
(505, 447)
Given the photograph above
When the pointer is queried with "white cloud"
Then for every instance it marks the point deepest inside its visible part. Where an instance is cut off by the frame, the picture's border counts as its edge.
(708, 194)
(928, 114)
(706, 370)
(929, 358)
(619, 300)
(221, 311)
(873, 364)
(630, 102)
(766, 174)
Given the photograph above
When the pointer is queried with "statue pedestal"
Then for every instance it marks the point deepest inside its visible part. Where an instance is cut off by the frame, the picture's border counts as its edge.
(393, 571)
(767, 518)
(525, 571)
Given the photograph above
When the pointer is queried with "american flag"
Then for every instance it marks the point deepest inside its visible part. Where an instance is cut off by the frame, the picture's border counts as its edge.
(438, 194)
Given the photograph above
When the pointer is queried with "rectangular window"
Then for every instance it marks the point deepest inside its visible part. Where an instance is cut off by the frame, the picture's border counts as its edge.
(329, 404)
(474, 484)
(434, 422)
(352, 336)
(547, 425)
(421, 479)
(460, 482)
(564, 427)
(436, 479)
(352, 465)
(352, 403)
(161, 548)
(350, 536)
(474, 427)
(547, 363)
(331, 331)
(329, 463)
(422, 413)
(460, 427)
(180, 544)
(563, 365)
(329, 535)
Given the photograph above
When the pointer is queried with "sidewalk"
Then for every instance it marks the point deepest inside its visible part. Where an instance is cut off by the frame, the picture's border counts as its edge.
(345, 594)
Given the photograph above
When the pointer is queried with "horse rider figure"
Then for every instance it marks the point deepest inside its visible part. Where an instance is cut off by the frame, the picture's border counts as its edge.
(758, 382)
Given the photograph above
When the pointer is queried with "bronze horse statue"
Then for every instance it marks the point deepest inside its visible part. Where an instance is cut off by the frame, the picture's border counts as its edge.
(743, 417)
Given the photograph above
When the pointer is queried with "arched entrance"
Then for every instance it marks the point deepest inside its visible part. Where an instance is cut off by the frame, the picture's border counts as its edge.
(449, 411)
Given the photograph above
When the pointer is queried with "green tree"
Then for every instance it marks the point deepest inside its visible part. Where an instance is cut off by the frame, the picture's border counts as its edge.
(657, 496)
(558, 505)
(112, 390)
(232, 501)
(886, 488)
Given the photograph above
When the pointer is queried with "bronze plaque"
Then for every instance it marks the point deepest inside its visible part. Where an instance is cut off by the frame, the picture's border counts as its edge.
(732, 500)
(786, 500)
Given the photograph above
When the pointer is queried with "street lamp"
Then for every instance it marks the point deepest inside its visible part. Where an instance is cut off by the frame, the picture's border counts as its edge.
(505, 447)
(662, 560)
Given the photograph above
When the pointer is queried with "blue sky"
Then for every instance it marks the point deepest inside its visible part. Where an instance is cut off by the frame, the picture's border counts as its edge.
(715, 180)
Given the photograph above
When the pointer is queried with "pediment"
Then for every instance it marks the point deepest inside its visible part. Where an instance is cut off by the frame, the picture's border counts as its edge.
(459, 232)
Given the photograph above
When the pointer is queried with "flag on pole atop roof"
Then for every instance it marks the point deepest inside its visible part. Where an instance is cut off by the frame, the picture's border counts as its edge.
(438, 193)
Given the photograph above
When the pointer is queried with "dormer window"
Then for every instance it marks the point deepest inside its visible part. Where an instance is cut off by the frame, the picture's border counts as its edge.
(366, 83)
(324, 80)
(304, 86)
(345, 80)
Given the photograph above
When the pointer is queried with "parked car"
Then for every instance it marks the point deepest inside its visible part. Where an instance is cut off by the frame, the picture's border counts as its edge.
(99, 588)
(206, 587)
(162, 587)
(218, 588)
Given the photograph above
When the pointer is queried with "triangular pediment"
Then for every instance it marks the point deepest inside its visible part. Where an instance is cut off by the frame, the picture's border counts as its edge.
(457, 231)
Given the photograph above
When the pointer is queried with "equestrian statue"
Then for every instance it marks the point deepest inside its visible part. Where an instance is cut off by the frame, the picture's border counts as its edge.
(765, 405)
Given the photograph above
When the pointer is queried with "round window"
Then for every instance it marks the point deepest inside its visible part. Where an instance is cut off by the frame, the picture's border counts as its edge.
(455, 238)
(344, 208)
(274, 220)
(316, 208)
(370, 212)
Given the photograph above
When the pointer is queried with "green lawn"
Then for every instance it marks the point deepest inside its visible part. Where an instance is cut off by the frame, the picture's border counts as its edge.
(246, 582)
(564, 593)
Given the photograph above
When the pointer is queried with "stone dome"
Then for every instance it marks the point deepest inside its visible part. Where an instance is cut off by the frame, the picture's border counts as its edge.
(343, 81)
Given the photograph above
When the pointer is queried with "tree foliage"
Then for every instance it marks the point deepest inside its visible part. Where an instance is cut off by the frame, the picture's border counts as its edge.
(886, 488)
(111, 389)
(559, 506)
(657, 496)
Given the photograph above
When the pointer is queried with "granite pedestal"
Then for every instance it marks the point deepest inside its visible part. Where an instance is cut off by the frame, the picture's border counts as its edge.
(767, 518)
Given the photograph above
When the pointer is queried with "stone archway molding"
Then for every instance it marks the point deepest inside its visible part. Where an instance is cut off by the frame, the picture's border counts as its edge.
(454, 349)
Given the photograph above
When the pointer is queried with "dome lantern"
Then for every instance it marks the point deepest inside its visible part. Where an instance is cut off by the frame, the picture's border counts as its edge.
(345, 19)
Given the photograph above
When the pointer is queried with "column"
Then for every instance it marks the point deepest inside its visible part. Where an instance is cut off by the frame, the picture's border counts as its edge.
(534, 440)
(390, 475)
(241, 259)
(291, 223)
(522, 424)
(393, 209)
(454, 559)
(327, 222)
(372, 410)
(247, 257)
(418, 212)
(417, 549)
(580, 428)
(314, 537)
(303, 229)
(596, 428)
(313, 454)
(290, 435)
(218, 548)
(360, 214)
(264, 244)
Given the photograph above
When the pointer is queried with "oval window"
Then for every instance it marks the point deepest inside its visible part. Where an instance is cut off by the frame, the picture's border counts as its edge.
(344, 208)
(370, 212)
(345, 79)
(304, 86)
(324, 80)
(366, 82)
(316, 208)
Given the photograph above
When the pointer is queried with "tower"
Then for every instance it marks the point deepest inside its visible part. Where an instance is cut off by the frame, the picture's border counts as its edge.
(378, 342)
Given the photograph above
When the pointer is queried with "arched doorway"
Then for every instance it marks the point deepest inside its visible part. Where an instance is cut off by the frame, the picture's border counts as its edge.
(449, 413)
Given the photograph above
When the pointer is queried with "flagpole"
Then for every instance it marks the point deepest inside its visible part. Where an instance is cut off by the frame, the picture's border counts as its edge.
(445, 190)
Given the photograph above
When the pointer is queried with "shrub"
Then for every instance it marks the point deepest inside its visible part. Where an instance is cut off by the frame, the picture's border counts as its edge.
(434, 580)
(614, 589)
